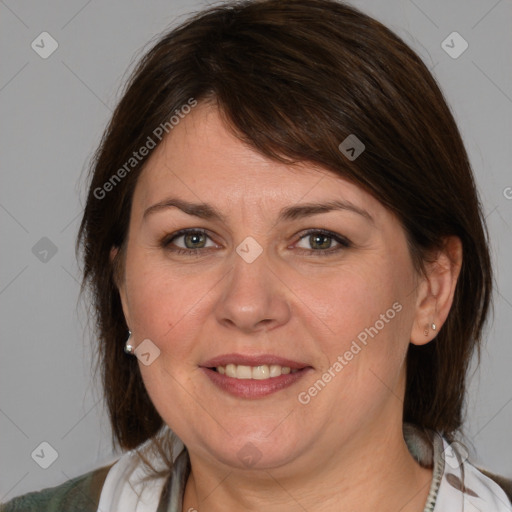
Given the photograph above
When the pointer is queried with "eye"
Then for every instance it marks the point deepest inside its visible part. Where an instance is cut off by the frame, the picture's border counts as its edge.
(321, 242)
(187, 241)
(195, 241)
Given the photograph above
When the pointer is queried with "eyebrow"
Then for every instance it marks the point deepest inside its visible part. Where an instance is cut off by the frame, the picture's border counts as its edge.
(207, 211)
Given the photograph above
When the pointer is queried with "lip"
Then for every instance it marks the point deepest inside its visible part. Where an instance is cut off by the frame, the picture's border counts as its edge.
(255, 360)
(253, 388)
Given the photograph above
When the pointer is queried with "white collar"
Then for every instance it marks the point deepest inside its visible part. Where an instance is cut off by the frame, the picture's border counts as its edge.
(465, 488)
(125, 488)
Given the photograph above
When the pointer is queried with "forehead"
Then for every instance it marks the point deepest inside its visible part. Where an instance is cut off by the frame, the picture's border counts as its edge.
(202, 160)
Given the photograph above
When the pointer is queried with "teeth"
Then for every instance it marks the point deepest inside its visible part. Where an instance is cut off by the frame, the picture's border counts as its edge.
(260, 372)
(264, 371)
(275, 370)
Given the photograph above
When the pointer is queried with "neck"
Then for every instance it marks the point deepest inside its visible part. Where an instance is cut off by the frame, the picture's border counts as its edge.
(375, 471)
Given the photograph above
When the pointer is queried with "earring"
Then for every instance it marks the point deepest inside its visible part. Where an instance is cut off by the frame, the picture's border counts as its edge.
(127, 347)
(432, 326)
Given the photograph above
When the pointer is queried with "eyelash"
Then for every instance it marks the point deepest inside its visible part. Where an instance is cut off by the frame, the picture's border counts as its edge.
(343, 242)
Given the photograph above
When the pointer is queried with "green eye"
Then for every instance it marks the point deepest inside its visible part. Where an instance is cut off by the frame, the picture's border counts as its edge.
(197, 240)
(321, 241)
(194, 241)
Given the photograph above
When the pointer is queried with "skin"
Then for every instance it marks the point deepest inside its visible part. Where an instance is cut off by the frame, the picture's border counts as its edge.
(344, 450)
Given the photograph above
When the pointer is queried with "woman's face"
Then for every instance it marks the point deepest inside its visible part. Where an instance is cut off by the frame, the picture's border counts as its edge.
(248, 289)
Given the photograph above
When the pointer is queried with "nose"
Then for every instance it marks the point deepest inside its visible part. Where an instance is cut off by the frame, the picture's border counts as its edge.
(253, 298)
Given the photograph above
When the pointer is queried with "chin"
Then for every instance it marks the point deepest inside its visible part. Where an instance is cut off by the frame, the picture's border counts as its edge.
(254, 452)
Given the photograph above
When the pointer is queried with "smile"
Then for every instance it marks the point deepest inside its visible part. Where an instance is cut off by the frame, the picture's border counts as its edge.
(261, 372)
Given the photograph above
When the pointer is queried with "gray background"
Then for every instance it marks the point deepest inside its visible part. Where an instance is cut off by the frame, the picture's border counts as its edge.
(53, 112)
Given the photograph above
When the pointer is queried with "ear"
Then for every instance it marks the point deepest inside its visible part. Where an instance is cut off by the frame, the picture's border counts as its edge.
(436, 290)
(119, 281)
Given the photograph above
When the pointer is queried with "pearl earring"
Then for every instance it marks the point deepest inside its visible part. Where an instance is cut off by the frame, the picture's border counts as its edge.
(127, 347)
(432, 326)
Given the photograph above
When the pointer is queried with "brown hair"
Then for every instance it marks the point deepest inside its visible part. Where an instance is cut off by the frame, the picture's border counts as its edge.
(294, 79)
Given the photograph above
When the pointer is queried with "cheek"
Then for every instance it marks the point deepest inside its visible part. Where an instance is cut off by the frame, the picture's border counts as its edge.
(356, 304)
(160, 299)
(163, 306)
(368, 320)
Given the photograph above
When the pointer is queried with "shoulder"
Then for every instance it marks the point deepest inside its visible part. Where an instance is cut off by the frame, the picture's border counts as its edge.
(80, 493)
(503, 482)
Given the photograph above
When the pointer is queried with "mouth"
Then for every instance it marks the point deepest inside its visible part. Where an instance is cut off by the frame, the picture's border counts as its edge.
(262, 372)
(253, 376)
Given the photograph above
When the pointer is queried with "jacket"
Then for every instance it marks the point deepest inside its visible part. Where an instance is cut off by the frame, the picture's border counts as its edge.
(78, 494)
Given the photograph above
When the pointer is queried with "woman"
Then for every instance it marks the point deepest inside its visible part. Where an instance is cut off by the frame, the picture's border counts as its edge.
(290, 270)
